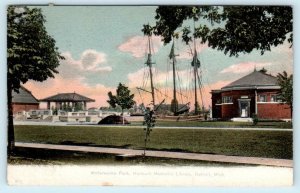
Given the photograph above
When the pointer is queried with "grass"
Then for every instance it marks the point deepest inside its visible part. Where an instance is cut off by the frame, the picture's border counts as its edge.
(222, 124)
(271, 144)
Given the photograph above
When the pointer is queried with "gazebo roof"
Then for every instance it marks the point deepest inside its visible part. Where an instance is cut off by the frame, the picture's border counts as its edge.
(67, 97)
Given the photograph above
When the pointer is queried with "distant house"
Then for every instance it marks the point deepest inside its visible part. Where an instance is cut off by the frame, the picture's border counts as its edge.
(256, 93)
(24, 101)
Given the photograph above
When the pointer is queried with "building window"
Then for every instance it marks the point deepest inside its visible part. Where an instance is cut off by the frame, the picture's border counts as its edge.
(219, 101)
(262, 98)
(275, 98)
(226, 99)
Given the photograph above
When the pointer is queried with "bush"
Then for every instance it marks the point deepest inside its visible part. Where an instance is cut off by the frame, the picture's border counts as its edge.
(254, 119)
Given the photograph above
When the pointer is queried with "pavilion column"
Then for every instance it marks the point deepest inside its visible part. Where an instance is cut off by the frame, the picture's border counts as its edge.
(84, 105)
(57, 105)
(48, 105)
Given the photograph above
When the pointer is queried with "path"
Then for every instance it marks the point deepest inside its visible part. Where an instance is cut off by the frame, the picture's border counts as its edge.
(165, 154)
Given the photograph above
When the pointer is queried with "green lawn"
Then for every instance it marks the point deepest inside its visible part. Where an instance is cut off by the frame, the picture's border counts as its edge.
(220, 124)
(272, 144)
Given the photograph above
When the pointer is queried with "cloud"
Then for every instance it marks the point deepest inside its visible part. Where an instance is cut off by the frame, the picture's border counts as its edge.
(72, 77)
(187, 52)
(137, 45)
(244, 67)
(90, 61)
(160, 78)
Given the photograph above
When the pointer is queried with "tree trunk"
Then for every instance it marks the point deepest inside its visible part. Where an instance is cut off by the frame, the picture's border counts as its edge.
(10, 130)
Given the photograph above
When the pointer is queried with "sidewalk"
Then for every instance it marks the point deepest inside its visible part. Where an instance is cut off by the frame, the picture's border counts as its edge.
(166, 154)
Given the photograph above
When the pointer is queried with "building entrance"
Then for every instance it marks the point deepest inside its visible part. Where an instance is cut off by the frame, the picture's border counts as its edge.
(244, 107)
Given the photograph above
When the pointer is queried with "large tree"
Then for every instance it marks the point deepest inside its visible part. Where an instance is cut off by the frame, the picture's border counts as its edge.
(31, 54)
(232, 29)
(285, 82)
(123, 98)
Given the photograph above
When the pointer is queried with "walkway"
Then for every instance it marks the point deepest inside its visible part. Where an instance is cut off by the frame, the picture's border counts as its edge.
(165, 154)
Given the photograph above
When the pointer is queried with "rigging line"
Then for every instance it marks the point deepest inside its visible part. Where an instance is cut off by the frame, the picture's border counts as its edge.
(200, 88)
(206, 71)
(140, 95)
(162, 93)
(188, 80)
(180, 93)
(146, 79)
(152, 47)
(167, 76)
(192, 82)
(179, 83)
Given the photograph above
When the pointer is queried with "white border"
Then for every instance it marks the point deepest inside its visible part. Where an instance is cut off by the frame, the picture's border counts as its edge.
(3, 186)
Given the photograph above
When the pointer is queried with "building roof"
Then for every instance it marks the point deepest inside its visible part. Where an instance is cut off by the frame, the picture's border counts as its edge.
(67, 97)
(256, 79)
(24, 96)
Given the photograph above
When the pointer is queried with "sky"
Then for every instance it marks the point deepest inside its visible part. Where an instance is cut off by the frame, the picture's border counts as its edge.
(104, 46)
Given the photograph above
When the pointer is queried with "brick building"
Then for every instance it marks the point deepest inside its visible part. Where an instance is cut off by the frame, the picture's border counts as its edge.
(256, 93)
(24, 101)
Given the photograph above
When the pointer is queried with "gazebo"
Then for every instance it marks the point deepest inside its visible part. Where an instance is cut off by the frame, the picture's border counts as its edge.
(67, 99)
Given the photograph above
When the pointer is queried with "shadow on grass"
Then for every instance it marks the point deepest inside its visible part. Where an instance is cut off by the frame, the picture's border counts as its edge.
(126, 146)
(32, 156)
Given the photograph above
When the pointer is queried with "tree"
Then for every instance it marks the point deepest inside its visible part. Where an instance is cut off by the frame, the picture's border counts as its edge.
(123, 98)
(31, 54)
(234, 29)
(78, 106)
(285, 82)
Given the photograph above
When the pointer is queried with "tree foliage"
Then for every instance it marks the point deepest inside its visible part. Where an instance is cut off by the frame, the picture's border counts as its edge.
(233, 29)
(285, 82)
(31, 54)
(123, 98)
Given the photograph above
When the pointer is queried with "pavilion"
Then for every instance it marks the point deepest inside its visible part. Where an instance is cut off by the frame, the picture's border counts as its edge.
(67, 99)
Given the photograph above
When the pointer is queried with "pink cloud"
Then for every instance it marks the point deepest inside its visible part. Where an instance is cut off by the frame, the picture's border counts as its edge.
(187, 52)
(137, 45)
(90, 61)
(244, 67)
(160, 78)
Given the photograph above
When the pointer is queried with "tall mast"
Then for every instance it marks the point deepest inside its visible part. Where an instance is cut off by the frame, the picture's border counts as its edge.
(149, 64)
(195, 79)
(174, 102)
(196, 65)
